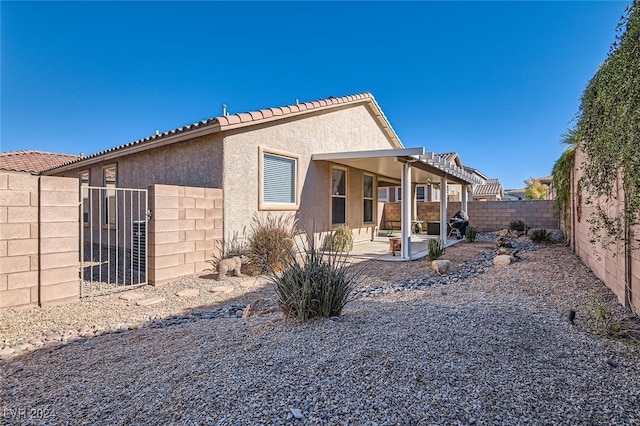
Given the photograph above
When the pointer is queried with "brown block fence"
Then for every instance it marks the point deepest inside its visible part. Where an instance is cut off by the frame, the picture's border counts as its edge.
(40, 236)
(39, 240)
(184, 226)
(487, 216)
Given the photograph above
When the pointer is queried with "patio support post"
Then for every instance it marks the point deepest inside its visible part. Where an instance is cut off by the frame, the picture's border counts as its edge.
(444, 201)
(464, 198)
(405, 211)
(414, 202)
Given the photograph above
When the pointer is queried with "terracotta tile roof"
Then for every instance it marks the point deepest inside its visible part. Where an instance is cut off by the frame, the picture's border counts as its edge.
(231, 121)
(33, 161)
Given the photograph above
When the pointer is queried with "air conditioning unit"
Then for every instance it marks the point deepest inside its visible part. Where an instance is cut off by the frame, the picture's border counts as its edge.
(139, 240)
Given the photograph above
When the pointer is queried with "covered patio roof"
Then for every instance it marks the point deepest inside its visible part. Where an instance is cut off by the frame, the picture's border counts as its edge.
(426, 166)
(407, 166)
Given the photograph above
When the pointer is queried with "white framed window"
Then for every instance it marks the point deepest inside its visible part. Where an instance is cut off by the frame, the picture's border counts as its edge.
(436, 193)
(421, 193)
(367, 207)
(278, 181)
(110, 179)
(338, 196)
(383, 195)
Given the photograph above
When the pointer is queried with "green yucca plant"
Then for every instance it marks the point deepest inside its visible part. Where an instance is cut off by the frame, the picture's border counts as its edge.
(471, 233)
(270, 240)
(540, 235)
(436, 249)
(342, 238)
(314, 282)
(518, 225)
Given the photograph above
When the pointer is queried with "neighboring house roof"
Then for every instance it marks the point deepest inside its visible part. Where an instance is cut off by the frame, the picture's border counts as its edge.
(476, 172)
(492, 187)
(546, 180)
(451, 157)
(233, 121)
(33, 161)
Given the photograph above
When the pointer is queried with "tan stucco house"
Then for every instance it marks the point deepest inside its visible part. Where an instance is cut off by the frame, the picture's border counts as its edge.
(323, 161)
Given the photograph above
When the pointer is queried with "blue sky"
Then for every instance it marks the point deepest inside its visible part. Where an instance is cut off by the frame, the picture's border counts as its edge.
(497, 82)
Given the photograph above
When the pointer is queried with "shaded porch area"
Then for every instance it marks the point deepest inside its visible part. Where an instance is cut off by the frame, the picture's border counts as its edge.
(379, 248)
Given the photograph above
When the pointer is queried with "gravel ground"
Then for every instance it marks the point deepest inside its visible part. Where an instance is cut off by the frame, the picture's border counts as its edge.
(482, 345)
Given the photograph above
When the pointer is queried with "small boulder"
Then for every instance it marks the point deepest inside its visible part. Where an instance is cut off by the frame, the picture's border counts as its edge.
(442, 266)
(258, 307)
(556, 237)
(509, 233)
(503, 260)
(503, 242)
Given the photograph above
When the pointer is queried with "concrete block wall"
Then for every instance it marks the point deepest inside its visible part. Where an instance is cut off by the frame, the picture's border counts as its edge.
(39, 240)
(184, 226)
(609, 264)
(59, 240)
(487, 216)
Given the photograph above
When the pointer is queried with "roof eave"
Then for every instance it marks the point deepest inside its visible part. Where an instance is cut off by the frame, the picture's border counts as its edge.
(134, 148)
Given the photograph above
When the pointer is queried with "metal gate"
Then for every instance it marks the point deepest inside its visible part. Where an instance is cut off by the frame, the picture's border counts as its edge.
(113, 239)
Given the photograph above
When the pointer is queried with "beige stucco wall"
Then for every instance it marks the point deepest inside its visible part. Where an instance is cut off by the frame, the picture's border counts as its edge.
(335, 130)
(196, 162)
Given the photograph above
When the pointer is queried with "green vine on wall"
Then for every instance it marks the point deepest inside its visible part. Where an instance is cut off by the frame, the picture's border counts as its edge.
(562, 176)
(608, 132)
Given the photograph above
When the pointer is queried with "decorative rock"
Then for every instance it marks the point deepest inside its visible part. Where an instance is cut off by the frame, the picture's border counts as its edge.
(257, 307)
(503, 260)
(188, 292)
(442, 266)
(557, 236)
(150, 301)
(131, 296)
(503, 242)
(222, 289)
(6, 351)
(54, 337)
(509, 233)
(296, 413)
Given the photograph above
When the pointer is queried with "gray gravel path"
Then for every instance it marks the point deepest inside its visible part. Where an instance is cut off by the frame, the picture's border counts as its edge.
(494, 349)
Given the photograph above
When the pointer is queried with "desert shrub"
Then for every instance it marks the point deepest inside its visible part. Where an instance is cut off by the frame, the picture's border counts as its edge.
(270, 240)
(341, 239)
(540, 235)
(471, 233)
(518, 225)
(314, 282)
(436, 249)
